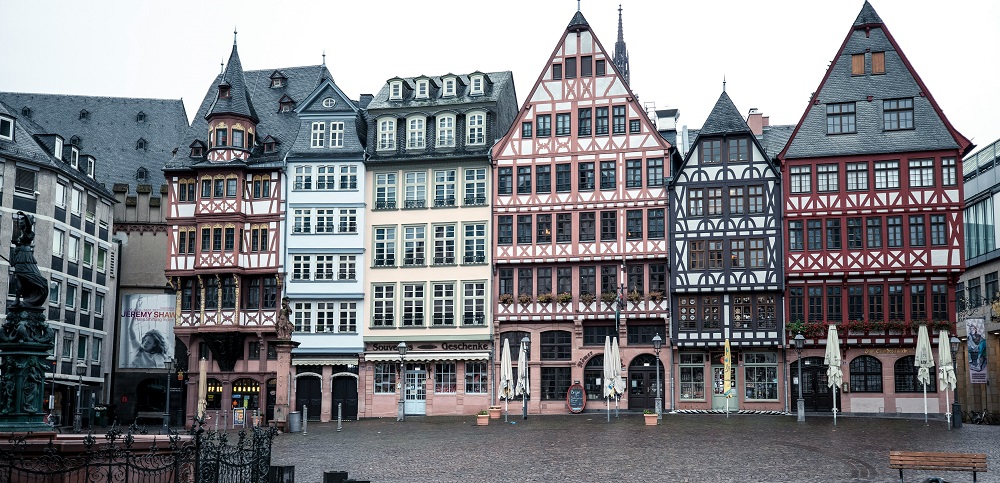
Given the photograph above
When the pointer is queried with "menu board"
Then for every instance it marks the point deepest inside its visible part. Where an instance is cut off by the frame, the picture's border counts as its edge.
(576, 398)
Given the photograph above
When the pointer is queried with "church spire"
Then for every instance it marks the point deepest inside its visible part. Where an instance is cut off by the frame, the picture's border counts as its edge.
(621, 52)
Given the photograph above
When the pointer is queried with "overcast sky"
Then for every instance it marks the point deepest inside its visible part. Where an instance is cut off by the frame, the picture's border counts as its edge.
(773, 53)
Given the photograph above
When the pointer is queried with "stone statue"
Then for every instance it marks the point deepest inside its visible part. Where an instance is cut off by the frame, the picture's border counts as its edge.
(30, 287)
(284, 326)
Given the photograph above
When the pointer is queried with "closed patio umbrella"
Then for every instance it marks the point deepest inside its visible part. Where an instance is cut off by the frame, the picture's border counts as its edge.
(523, 384)
(834, 374)
(925, 361)
(506, 389)
(608, 383)
(202, 387)
(946, 371)
(618, 380)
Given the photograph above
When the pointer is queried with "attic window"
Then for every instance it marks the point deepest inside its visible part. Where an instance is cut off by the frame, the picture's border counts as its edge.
(858, 64)
(90, 167)
(26, 111)
(196, 151)
(140, 117)
(396, 90)
(329, 102)
(141, 174)
(477, 84)
(76, 141)
(878, 62)
(449, 87)
(84, 114)
(286, 105)
(422, 89)
(140, 144)
(74, 158)
(277, 82)
(270, 147)
(6, 128)
(223, 91)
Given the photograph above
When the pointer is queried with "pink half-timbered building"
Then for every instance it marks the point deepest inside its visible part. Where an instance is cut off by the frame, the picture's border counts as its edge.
(873, 222)
(579, 214)
(225, 211)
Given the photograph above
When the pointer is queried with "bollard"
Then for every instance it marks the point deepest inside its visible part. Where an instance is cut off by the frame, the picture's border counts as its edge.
(281, 474)
(305, 417)
(334, 477)
(340, 416)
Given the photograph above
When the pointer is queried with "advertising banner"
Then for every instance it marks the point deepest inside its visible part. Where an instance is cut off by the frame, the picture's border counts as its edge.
(147, 330)
(976, 330)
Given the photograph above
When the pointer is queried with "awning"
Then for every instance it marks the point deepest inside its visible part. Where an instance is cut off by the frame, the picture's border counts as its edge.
(324, 361)
(418, 356)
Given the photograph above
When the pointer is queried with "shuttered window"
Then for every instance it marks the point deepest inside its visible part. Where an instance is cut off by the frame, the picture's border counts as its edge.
(858, 64)
(24, 181)
(878, 62)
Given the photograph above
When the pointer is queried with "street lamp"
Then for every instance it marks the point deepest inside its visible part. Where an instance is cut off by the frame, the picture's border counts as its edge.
(524, 396)
(799, 342)
(657, 344)
(81, 369)
(402, 381)
(956, 408)
(168, 363)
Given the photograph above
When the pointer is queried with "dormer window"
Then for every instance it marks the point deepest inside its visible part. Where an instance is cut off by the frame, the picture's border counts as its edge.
(277, 82)
(84, 115)
(422, 89)
(26, 111)
(90, 167)
(140, 117)
(6, 128)
(74, 158)
(477, 84)
(141, 174)
(270, 147)
(396, 90)
(58, 149)
(76, 141)
(197, 151)
(223, 91)
(286, 104)
(140, 144)
(449, 87)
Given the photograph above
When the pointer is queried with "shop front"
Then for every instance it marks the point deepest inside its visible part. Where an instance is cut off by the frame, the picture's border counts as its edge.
(756, 374)
(434, 378)
(326, 385)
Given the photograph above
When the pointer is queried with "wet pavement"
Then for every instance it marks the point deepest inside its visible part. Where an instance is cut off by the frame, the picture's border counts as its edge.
(586, 448)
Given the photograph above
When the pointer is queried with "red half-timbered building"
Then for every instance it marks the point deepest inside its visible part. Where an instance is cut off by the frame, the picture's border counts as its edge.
(873, 223)
(579, 216)
(225, 211)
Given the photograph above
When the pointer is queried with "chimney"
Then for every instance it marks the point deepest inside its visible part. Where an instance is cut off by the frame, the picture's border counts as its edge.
(364, 100)
(766, 121)
(755, 120)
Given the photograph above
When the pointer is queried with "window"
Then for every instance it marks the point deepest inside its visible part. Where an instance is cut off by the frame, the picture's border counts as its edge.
(758, 254)
(88, 254)
(939, 298)
(414, 239)
(415, 189)
(383, 304)
(795, 241)
(795, 309)
(543, 126)
(301, 267)
(505, 181)
(474, 303)
(564, 227)
(897, 114)
(601, 121)
(714, 201)
(395, 90)
(564, 175)
(318, 138)
(696, 255)
(654, 172)
(6, 128)
(634, 126)
(422, 89)
(543, 223)
(348, 177)
(600, 68)
(608, 169)
(858, 64)
(833, 234)
(326, 268)
(444, 304)
(711, 152)
(587, 226)
(555, 383)
(827, 177)
(523, 180)
(475, 187)
(857, 176)
(387, 134)
(231, 187)
(618, 119)
(556, 71)
(563, 127)
(918, 236)
(303, 178)
(840, 118)
(874, 232)
(918, 302)
(302, 218)
(894, 231)
(76, 202)
(526, 129)
(73, 252)
(444, 378)
(385, 246)
(449, 87)
(524, 230)
(938, 230)
(736, 200)
(696, 202)
(413, 304)
(415, 133)
(347, 268)
(878, 62)
(609, 225)
(525, 281)
(760, 376)
(905, 374)
(739, 150)
(54, 286)
(896, 302)
(633, 225)
(737, 253)
(505, 230)
(633, 173)
(834, 311)
(655, 223)
(336, 134)
(446, 131)
(444, 244)
(556, 345)
(543, 179)
(24, 183)
(70, 296)
(444, 187)
(715, 254)
(921, 173)
(475, 124)
(385, 378)
(58, 240)
(815, 304)
(385, 191)
(570, 67)
(584, 121)
(476, 378)
(692, 377)
(948, 172)
(887, 175)
(866, 374)
(801, 179)
(585, 180)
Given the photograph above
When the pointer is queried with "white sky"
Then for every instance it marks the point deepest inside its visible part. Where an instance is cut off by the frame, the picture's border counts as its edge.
(773, 53)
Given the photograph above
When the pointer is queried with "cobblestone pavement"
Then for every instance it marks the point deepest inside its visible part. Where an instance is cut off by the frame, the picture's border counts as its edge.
(585, 448)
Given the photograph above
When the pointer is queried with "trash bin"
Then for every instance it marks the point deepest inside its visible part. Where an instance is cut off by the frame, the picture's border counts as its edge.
(294, 422)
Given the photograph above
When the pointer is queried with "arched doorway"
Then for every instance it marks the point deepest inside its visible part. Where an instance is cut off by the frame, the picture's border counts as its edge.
(345, 393)
(593, 378)
(815, 392)
(309, 393)
(642, 382)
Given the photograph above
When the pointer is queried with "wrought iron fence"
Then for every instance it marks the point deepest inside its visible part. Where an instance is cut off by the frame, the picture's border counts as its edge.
(200, 456)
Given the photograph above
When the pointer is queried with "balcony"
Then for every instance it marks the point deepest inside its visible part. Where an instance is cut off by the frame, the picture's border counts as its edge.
(385, 205)
(444, 260)
(385, 262)
(477, 318)
(414, 204)
(444, 202)
(475, 201)
(474, 259)
(413, 261)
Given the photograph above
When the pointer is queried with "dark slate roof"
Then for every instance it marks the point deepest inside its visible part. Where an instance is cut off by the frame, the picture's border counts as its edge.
(344, 109)
(282, 126)
(238, 102)
(578, 22)
(497, 84)
(111, 131)
(932, 130)
(724, 118)
(27, 148)
(867, 16)
(774, 138)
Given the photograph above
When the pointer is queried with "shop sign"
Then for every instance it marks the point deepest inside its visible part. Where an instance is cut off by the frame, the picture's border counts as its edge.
(444, 346)
(576, 398)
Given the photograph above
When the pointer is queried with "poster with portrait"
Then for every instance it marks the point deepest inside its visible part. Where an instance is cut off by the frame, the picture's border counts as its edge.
(147, 331)
(976, 342)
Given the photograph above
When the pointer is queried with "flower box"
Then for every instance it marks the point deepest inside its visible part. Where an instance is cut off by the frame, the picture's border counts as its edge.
(495, 412)
(650, 418)
(483, 418)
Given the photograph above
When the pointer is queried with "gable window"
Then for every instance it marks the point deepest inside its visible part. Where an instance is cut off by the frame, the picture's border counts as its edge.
(477, 84)
(600, 68)
(6, 128)
(634, 126)
(505, 181)
(223, 91)
(608, 169)
(570, 67)
(446, 131)
(858, 64)
(840, 118)
(140, 144)
(711, 152)
(878, 62)
(585, 180)
(543, 124)
(586, 66)
(948, 172)
(396, 90)
(415, 133)
(329, 102)
(897, 114)
(739, 150)
(449, 87)
(285, 104)
(633, 173)
(526, 129)
(422, 89)
(524, 180)
(618, 119)
(556, 71)
(601, 121)
(476, 128)
(387, 134)
(84, 115)
(277, 82)
(654, 172)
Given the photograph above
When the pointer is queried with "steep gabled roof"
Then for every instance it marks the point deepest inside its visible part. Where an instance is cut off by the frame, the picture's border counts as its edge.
(724, 118)
(932, 130)
(238, 102)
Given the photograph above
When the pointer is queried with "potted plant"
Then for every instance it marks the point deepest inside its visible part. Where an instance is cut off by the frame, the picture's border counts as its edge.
(608, 297)
(634, 296)
(524, 299)
(587, 298)
(795, 327)
(506, 299)
(545, 298)
(655, 296)
(495, 412)
(482, 418)
(564, 298)
(650, 417)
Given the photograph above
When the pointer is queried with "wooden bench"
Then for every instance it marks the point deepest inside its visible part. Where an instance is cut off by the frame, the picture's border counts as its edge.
(917, 460)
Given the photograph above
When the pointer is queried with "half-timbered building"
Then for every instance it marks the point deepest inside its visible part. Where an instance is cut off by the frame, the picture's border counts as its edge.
(873, 223)
(325, 250)
(428, 180)
(579, 213)
(225, 211)
(726, 264)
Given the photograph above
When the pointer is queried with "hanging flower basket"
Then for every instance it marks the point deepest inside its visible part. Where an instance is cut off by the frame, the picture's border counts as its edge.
(524, 299)
(564, 298)
(506, 299)
(587, 298)
(545, 298)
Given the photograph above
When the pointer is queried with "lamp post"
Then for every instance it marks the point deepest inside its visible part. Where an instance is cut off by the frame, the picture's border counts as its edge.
(524, 396)
(168, 363)
(81, 369)
(401, 415)
(657, 344)
(956, 408)
(799, 342)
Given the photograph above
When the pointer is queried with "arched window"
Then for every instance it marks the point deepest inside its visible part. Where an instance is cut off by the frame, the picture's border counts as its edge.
(475, 126)
(140, 144)
(387, 133)
(141, 174)
(556, 345)
(84, 114)
(446, 131)
(906, 376)
(514, 337)
(866, 374)
(140, 117)
(593, 373)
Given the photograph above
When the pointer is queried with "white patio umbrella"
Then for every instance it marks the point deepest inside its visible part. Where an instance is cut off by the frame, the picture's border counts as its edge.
(506, 389)
(925, 361)
(608, 382)
(834, 374)
(946, 371)
(616, 373)
(523, 388)
(202, 387)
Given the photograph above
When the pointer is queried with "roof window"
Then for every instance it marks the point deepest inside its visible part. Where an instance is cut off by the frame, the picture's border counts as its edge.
(141, 144)
(141, 174)
(84, 115)
(6, 128)
(140, 117)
